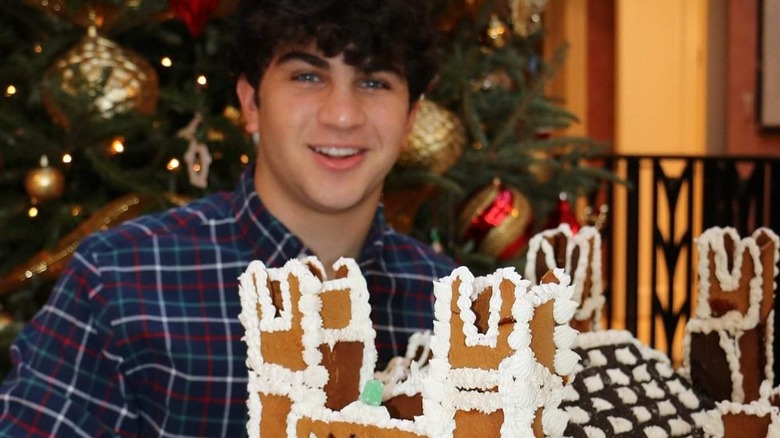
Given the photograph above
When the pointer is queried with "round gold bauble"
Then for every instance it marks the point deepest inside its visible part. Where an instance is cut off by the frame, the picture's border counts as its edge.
(436, 140)
(110, 79)
(44, 183)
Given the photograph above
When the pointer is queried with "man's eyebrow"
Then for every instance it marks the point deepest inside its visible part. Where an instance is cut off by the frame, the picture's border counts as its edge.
(376, 67)
(306, 57)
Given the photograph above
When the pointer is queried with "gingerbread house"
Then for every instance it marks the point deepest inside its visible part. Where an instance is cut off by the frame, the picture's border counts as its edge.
(759, 418)
(579, 255)
(728, 343)
(500, 351)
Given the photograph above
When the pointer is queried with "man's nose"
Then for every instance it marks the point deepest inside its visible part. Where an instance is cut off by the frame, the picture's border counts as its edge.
(342, 108)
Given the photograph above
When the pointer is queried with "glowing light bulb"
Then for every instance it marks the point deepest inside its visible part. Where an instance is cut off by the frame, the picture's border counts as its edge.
(202, 81)
(117, 147)
(173, 164)
(32, 212)
(10, 90)
(67, 158)
(166, 62)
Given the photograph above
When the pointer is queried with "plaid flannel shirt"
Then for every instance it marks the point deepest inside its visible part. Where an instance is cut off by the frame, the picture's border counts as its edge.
(141, 338)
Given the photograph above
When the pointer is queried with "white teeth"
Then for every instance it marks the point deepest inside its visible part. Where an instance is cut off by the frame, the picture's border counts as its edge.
(337, 152)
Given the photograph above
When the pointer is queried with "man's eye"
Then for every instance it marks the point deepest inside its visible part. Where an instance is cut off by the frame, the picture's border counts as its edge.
(306, 77)
(375, 84)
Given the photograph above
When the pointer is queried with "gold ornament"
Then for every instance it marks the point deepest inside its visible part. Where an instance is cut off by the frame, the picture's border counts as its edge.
(498, 220)
(111, 79)
(436, 140)
(44, 183)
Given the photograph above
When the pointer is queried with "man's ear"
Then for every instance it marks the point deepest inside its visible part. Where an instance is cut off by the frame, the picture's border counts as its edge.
(247, 96)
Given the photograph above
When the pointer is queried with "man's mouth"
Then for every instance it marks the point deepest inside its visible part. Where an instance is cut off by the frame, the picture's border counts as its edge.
(336, 152)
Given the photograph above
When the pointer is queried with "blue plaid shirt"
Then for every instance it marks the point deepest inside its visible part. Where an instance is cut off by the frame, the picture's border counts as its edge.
(141, 337)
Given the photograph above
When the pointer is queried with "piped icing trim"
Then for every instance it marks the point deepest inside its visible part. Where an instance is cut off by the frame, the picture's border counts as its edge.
(588, 240)
(732, 325)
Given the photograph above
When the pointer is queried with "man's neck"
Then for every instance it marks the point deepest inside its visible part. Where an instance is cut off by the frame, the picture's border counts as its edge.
(329, 236)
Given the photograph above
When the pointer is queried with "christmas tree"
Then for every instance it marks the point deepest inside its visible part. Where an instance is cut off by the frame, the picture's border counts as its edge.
(114, 108)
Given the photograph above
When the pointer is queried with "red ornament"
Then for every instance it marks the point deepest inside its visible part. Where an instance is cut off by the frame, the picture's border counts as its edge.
(498, 220)
(563, 214)
(194, 13)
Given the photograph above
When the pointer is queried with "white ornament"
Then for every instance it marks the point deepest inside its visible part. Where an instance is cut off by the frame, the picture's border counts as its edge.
(198, 161)
(197, 157)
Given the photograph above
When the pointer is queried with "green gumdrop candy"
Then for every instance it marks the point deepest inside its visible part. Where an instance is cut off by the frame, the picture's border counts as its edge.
(372, 392)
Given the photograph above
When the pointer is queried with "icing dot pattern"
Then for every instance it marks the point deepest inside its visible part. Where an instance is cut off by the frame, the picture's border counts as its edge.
(625, 390)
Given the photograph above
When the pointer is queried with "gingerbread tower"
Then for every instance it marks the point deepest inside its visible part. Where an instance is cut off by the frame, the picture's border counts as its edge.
(728, 343)
(579, 255)
(500, 349)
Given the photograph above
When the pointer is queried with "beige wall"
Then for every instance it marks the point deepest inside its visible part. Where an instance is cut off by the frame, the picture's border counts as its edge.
(661, 76)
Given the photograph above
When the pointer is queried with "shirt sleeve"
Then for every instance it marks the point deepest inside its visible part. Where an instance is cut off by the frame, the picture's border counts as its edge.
(65, 381)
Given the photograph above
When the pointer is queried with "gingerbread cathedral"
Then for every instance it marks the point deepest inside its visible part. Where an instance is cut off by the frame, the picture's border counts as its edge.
(500, 354)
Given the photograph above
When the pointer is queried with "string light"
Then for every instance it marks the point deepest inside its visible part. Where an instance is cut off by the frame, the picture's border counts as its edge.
(75, 211)
(166, 62)
(202, 81)
(244, 158)
(10, 90)
(117, 147)
(38, 48)
(67, 158)
(32, 212)
(173, 164)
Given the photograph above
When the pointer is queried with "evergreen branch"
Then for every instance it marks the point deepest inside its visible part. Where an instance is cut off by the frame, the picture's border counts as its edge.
(116, 176)
(535, 91)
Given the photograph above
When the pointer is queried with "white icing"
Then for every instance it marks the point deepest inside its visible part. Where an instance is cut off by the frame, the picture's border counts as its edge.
(564, 336)
(675, 386)
(641, 413)
(625, 356)
(593, 432)
(689, 399)
(640, 373)
(618, 377)
(627, 395)
(679, 427)
(600, 404)
(619, 424)
(565, 361)
(596, 358)
(577, 415)
(652, 390)
(593, 383)
(666, 408)
(570, 394)
(664, 370)
(655, 432)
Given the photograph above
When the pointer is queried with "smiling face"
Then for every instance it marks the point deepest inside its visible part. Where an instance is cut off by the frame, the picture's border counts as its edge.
(329, 132)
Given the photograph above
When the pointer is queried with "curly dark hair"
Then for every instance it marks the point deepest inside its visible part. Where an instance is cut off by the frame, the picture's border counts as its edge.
(391, 33)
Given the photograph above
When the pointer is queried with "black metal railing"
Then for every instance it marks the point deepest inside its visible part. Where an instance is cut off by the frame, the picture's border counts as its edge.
(649, 239)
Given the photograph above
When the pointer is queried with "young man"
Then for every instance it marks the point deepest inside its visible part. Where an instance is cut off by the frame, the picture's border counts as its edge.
(141, 336)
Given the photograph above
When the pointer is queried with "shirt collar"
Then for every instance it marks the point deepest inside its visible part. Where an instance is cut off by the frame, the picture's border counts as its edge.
(272, 242)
